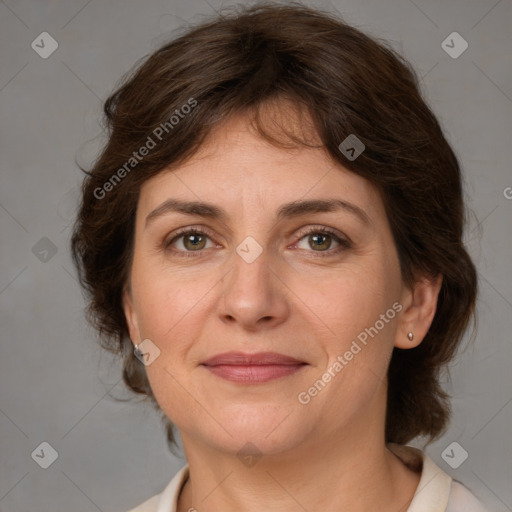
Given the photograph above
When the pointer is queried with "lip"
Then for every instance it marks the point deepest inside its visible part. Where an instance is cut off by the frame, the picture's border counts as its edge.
(252, 368)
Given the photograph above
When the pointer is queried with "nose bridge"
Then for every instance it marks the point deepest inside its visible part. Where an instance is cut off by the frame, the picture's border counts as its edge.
(249, 278)
(250, 291)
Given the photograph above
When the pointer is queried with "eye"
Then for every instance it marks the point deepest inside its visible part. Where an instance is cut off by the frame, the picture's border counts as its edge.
(189, 240)
(321, 239)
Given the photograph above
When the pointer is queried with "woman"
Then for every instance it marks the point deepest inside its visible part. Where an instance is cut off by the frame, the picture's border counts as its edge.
(272, 240)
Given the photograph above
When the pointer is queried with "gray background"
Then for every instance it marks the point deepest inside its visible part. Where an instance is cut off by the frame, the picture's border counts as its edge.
(56, 384)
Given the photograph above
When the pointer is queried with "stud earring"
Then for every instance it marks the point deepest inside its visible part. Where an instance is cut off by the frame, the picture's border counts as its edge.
(410, 336)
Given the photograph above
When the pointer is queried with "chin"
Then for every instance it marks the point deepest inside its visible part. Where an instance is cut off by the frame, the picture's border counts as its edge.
(269, 430)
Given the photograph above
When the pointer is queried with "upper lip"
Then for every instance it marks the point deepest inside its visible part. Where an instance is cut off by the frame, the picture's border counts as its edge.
(244, 359)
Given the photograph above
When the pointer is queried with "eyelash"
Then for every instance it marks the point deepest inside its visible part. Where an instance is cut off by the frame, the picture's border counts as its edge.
(344, 243)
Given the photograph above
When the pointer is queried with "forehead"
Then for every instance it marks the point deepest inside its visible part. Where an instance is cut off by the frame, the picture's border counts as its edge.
(237, 166)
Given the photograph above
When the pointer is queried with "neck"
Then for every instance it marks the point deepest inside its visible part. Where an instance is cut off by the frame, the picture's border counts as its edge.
(349, 469)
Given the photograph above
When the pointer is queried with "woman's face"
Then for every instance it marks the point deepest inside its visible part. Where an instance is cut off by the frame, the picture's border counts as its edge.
(262, 277)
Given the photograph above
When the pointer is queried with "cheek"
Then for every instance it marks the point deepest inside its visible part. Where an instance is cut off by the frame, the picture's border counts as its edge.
(347, 301)
(171, 313)
(172, 309)
(165, 300)
(348, 311)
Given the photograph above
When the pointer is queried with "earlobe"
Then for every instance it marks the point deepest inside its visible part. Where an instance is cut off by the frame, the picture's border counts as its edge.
(419, 311)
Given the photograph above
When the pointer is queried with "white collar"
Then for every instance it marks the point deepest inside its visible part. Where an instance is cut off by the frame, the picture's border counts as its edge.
(434, 487)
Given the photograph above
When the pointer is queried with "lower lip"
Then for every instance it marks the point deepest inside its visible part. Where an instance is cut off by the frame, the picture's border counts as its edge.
(254, 373)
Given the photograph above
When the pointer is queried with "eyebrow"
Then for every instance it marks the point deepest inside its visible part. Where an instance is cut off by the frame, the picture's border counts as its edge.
(286, 211)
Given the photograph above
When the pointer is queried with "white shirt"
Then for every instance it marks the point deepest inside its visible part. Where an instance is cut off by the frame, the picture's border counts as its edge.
(436, 491)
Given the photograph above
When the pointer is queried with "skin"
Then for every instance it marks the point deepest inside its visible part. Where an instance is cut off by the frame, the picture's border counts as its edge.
(294, 299)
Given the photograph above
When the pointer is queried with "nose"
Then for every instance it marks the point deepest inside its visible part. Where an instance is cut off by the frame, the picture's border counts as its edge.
(253, 294)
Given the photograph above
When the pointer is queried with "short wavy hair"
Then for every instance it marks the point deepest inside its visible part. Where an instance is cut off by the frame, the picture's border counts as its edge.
(347, 82)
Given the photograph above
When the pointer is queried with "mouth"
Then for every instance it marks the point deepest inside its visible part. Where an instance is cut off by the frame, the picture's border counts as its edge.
(252, 368)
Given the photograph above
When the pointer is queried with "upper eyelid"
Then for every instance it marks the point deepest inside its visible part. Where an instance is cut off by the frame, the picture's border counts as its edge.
(181, 232)
(321, 228)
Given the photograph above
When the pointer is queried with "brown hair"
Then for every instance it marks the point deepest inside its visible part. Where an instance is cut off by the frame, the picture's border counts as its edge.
(348, 83)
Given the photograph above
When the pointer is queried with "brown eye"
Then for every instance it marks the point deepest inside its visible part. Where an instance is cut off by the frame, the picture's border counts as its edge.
(323, 240)
(188, 241)
(194, 241)
(320, 241)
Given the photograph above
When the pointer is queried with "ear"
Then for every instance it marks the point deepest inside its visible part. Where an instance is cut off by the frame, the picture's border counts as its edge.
(419, 308)
(131, 316)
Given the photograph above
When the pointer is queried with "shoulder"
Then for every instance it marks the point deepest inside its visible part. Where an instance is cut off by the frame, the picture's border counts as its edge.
(168, 499)
(437, 491)
(463, 500)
